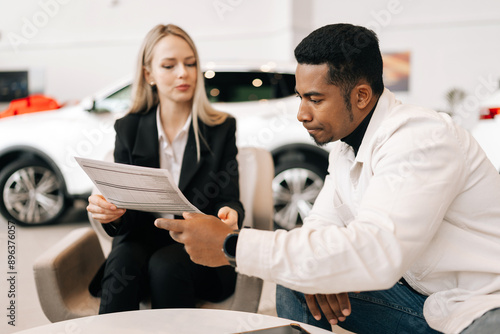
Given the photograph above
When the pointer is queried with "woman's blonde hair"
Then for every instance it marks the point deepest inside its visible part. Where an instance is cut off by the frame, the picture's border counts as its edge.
(145, 97)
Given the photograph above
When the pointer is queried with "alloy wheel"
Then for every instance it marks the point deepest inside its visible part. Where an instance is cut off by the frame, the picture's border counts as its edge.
(33, 195)
(294, 192)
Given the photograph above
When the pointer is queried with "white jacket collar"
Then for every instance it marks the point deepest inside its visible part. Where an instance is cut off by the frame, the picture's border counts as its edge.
(385, 103)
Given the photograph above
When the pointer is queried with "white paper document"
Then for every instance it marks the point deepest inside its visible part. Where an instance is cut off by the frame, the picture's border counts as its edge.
(137, 188)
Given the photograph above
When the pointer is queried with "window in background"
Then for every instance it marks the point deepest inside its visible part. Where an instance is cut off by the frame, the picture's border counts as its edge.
(13, 85)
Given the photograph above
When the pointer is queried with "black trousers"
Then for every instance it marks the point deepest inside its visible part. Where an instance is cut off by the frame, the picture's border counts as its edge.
(136, 271)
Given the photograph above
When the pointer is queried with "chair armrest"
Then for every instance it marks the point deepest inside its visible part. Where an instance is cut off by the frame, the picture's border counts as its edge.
(63, 273)
(263, 201)
(247, 294)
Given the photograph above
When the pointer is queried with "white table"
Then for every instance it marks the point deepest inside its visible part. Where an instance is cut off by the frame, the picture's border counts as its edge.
(166, 321)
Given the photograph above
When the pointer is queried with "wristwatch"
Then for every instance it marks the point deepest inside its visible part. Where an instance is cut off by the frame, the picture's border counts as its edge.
(229, 247)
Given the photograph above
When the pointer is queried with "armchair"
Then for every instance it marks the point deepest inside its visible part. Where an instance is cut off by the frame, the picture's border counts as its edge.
(64, 271)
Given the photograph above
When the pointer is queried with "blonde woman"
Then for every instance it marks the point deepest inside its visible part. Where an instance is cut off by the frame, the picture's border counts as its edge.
(170, 125)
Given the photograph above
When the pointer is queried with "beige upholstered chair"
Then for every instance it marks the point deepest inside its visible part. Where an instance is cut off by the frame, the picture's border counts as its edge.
(63, 272)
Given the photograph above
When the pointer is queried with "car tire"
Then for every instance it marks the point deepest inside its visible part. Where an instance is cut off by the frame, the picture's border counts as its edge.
(32, 193)
(296, 185)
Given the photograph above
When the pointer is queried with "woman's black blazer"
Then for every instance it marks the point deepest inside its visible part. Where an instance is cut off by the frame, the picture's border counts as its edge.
(210, 183)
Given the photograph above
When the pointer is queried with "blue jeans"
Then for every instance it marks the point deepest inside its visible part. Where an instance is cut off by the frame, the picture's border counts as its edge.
(397, 310)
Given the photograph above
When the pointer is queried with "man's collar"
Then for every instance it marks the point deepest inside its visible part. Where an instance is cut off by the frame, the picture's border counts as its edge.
(385, 106)
(355, 138)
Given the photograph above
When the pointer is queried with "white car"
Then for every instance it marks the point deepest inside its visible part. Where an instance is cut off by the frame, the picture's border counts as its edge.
(39, 177)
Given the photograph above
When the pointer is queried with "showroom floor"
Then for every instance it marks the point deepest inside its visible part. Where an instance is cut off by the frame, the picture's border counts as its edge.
(30, 242)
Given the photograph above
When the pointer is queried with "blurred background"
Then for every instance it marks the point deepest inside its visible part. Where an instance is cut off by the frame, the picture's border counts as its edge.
(437, 54)
(72, 48)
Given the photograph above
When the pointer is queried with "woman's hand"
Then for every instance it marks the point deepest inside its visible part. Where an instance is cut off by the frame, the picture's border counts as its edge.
(103, 211)
(229, 217)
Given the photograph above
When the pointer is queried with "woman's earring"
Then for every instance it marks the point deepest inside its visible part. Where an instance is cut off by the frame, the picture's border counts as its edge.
(152, 83)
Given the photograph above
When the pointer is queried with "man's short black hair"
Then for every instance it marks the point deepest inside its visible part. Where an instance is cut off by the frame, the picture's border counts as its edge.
(351, 52)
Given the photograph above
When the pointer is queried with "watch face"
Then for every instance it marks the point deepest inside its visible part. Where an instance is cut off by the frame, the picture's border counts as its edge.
(230, 245)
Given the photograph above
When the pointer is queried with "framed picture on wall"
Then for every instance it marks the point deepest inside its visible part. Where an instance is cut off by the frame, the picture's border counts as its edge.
(397, 71)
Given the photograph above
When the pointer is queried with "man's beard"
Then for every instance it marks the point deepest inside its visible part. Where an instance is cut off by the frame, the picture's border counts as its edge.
(321, 143)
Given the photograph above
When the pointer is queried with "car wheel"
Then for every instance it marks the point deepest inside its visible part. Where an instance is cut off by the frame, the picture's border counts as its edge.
(32, 193)
(295, 188)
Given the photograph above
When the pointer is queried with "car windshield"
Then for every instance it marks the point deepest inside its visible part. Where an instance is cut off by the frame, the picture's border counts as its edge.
(220, 87)
(247, 86)
(118, 102)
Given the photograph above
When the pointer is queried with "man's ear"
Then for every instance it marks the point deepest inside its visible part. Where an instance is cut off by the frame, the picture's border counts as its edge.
(363, 95)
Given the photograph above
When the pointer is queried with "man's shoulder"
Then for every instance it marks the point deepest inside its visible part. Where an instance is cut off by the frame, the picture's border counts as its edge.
(391, 111)
(407, 115)
(409, 126)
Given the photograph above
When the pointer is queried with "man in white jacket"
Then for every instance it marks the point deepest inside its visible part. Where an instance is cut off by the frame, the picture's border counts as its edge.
(408, 220)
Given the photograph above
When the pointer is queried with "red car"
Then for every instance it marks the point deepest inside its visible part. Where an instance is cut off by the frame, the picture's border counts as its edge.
(33, 103)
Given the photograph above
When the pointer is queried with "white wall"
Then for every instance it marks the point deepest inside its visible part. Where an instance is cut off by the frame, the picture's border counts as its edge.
(84, 45)
(453, 44)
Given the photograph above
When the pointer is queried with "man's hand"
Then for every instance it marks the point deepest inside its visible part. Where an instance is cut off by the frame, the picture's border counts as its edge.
(335, 307)
(202, 235)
